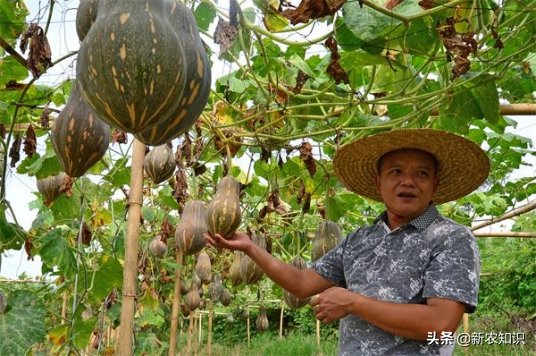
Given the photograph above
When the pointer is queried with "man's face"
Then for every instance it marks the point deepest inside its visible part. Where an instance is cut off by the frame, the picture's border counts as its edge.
(407, 182)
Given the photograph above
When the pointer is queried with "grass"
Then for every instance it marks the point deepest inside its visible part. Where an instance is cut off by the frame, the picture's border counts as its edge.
(495, 325)
(268, 345)
(306, 345)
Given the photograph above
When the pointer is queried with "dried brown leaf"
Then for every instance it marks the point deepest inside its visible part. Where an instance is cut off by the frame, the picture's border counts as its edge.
(312, 9)
(44, 119)
(30, 142)
(180, 193)
(119, 136)
(67, 186)
(334, 68)
(14, 152)
(224, 35)
(306, 155)
(39, 58)
(301, 78)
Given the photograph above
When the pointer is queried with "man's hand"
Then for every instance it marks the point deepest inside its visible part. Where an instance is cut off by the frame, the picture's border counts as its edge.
(332, 304)
(237, 241)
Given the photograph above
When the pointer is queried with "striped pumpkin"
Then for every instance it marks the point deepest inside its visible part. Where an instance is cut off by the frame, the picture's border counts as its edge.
(249, 270)
(289, 298)
(189, 233)
(198, 81)
(79, 138)
(85, 17)
(159, 163)
(49, 187)
(223, 212)
(131, 65)
(327, 236)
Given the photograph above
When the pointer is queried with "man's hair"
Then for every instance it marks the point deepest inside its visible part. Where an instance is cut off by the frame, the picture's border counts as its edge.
(380, 161)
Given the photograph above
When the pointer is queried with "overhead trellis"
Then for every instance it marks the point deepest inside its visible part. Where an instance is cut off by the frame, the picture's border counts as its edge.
(291, 83)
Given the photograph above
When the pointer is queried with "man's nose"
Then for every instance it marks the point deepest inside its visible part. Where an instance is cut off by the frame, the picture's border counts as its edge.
(408, 179)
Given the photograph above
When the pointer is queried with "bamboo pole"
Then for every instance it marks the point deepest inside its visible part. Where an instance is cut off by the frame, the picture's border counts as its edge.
(176, 303)
(521, 234)
(209, 337)
(513, 213)
(190, 333)
(64, 307)
(199, 330)
(508, 109)
(466, 329)
(281, 318)
(130, 269)
(318, 332)
(248, 326)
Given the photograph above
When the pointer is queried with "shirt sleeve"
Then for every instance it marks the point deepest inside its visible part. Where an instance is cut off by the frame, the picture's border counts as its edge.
(454, 269)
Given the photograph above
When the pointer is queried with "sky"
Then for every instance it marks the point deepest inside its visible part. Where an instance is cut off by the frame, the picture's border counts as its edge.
(63, 39)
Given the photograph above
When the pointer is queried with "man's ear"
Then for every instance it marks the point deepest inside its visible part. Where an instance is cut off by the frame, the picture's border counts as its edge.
(436, 184)
(378, 184)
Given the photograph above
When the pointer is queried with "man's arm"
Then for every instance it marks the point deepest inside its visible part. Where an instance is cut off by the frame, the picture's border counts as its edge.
(301, 283)
(413, 321)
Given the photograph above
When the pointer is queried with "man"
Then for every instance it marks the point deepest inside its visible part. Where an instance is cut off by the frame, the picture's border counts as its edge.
(411, 275)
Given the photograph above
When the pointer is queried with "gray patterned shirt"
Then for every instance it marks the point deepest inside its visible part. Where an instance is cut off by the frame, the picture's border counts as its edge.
(430, 257)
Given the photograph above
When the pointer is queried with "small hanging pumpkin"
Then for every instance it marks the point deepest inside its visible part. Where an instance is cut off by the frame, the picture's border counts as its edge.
(189, 233)
(79, 138)
(223, 212)
(327, 236)
(159, 163)
(50, 187)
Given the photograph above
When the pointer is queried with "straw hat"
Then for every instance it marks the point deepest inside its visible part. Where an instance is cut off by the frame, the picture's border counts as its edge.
(462, 165)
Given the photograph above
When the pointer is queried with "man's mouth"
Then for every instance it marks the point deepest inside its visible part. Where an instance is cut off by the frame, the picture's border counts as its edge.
(406, 195)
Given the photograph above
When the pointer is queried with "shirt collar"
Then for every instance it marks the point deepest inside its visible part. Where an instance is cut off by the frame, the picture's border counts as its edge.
(421, 222)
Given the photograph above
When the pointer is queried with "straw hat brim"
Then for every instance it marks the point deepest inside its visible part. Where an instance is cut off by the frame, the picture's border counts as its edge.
(462, 165)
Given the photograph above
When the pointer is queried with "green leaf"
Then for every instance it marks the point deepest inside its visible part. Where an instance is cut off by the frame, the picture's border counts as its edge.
(55, 251)
(119, 174)
(299, 63)
(346, 38)
(148, 213)
(13, 22)
(487, 97)
(334, 208)
(82, 329)
(369, 25)
(23, 323)
(148, 344)
(66, 208)
(204, 15)
(41, 166)
(11, 236)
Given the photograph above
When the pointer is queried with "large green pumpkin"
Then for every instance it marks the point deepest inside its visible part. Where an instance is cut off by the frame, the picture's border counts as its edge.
(79, 138)
(131, 65)
(198, 81)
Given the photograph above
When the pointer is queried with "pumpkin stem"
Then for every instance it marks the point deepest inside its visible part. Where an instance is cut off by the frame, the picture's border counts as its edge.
(229, 159)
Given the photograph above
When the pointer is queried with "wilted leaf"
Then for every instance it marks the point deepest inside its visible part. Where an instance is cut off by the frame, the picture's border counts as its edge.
(224, 35)
(312, 9)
